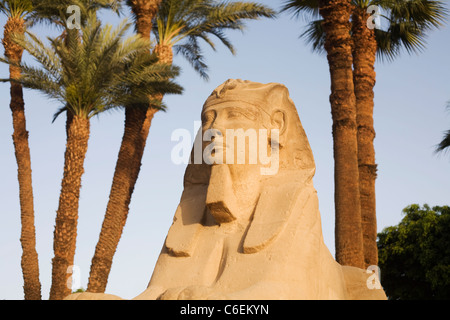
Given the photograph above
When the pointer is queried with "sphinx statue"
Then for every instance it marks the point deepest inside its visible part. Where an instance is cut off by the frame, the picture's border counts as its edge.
(248, 224)
(251, 229)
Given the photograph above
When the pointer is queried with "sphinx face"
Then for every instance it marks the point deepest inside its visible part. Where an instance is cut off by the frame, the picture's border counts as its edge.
(235, 134)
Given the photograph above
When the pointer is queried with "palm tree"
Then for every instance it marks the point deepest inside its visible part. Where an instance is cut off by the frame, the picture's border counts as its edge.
(22, 14)
(364, 54)
(137, 127)
(88, 73)
(408, 22)
(178, 26)
(444, 145)
(338, 45)
(331, 34)
(406, 27)
(17, 12)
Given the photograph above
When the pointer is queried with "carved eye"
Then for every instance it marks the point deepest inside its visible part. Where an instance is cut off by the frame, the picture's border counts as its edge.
(236, 113)
(232, 114)
(208, 117)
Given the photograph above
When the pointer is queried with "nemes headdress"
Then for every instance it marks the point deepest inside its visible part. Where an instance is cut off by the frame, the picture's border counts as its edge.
(262, 96)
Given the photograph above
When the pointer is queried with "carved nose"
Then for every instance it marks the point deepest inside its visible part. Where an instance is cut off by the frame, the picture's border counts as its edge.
(216, 133)
(218, 128)
(215, 125)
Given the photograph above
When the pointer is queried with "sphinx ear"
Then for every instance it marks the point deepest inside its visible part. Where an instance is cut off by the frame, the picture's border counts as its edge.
(278, 120)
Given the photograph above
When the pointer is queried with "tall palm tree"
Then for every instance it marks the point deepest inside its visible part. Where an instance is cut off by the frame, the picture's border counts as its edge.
(404, 26)
(409, 22)
(17, 12)
(137, 127)
(338, 45)
(90, 72)
(364, 54)
(178, 26)
(23, 14)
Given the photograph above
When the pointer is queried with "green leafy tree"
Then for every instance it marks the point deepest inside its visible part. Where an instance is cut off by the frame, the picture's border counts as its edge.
(402, 25)
(179, 26)
(414, 256)
(92, 70)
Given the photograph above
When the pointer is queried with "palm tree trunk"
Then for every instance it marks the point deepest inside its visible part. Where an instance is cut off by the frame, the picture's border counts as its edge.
(30, 263)
(144, 11)
(348, 235)
(164, 53)
(137, 127)
(78, 129)
(364, 55)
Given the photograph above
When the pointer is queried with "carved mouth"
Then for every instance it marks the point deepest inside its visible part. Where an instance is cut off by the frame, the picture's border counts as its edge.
(218, 147)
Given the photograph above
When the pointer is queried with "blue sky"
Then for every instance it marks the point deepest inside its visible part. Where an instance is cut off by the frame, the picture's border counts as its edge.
(410, 117)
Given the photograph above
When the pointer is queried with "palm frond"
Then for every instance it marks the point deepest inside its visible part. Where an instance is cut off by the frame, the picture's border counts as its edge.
(409, 25)
(53, 12)
(400, 36)
(426, 14)
(39, 79)
(229, 14)
(409, 22)
(181, 24)
(315, 36)
(96, 69)
(46, 56)
(445, 143)
(192, 53)
(304, 9)
(16, 8)
(60, 111)
(219, 34)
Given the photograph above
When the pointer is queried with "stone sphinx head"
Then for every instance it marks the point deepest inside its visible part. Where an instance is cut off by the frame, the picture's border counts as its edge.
(252, 140)
(253, 124)
(251, 133)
